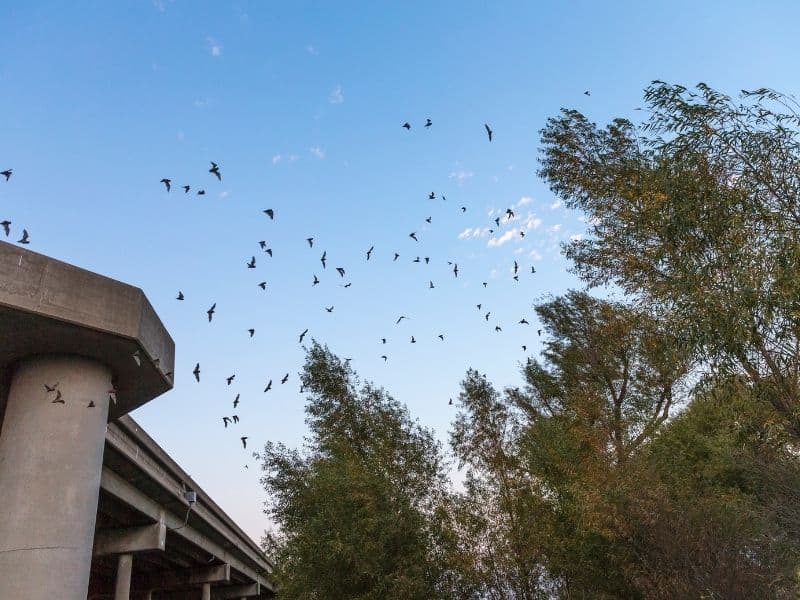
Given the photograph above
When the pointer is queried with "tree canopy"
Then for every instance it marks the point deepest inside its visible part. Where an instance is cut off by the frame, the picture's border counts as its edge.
(695, 214)
(361, 507)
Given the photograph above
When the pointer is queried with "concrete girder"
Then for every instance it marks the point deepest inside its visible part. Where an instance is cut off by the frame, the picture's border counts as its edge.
(130, 539)
(125, 491)
(120, 442)
(184, 578)
(238, 591)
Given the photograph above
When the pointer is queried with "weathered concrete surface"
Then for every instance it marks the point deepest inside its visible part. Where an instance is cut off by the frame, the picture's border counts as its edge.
(122, 589)
(50, 466)
(47, 306)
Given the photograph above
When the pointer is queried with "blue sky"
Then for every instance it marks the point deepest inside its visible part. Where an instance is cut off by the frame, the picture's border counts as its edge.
(301, 104)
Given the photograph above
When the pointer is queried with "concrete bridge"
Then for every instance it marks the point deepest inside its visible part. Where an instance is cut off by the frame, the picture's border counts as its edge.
(90, 506)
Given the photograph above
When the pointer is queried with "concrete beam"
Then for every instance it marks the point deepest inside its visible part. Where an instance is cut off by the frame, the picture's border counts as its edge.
(115, 485)
(184, 578)
(120, 441)
(222, 522)
(196, 594)
(130, 539)
(237, 591)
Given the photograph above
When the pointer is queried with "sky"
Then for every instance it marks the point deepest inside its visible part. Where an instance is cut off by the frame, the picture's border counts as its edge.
(302, 105)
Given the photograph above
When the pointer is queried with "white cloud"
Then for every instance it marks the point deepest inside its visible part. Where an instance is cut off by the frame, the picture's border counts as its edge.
(276, 159)
(336, 95)
(577, 237)
(461, 176)
(532, 222)
(202, 102)
(223, 195)
(506, 237)
(535, 255)
(472, 232)
(519, 251)
(213, 46)
(317, 151)
(293, 157)
(556, 205)
(555, 228)
(524, 201)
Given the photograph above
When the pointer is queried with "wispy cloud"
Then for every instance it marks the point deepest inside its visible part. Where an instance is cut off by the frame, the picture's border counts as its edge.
(532, 221)
(556, 205)
(312, 50)
(317, 151)
(554, 228)
(524, 201)
(461, 176)
(535, 255)
(214, 47)
(202, 102)
(292, 157)
(276, 159)
(224, 194)
(509, 235)
(472, 232)
(336, 95)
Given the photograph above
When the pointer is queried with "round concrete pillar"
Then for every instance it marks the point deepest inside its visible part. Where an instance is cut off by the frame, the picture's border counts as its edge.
(51, 457)
(122, 589)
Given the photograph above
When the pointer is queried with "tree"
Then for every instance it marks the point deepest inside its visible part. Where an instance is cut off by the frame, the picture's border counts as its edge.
(362, 510)
(713, 511)
(695, 215)
(612, 370)
(501, 513)
(547, 463)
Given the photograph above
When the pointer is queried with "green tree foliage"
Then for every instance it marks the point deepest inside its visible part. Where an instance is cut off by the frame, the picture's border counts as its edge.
(363, 509)
(713, 509)
(501, 513)
(695, 213)
(579, 486)
(547, 462)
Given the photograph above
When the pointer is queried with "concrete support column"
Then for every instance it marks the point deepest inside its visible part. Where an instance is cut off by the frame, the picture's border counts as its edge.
(122, 589)
(51, 458)
(206, 591)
